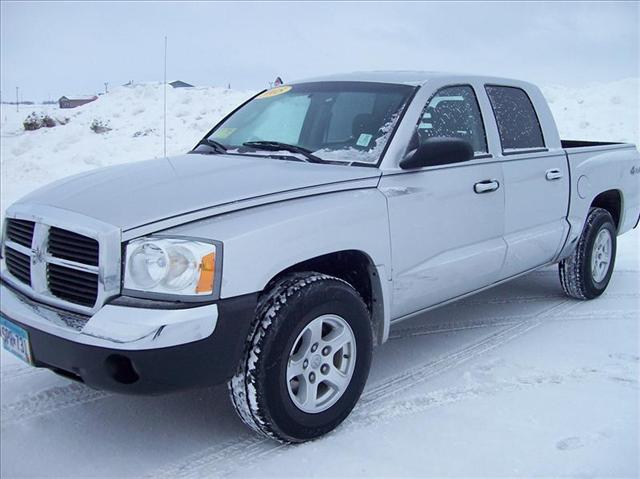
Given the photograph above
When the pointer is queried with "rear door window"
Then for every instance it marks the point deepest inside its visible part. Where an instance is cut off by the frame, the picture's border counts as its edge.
(517, 121)
(453, 112)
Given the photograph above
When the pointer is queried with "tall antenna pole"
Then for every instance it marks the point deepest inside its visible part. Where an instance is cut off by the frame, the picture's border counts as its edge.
(165, 96)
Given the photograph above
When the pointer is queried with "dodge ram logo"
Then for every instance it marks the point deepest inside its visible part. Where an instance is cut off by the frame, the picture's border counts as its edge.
(38, 256)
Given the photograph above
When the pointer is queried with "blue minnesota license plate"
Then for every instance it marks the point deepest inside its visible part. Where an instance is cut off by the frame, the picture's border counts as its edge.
(15, 340)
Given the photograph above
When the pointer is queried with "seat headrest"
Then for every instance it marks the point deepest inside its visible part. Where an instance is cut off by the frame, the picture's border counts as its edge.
(364, 123)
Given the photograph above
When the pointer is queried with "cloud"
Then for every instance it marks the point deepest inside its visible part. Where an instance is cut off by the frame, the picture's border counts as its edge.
(50, 49)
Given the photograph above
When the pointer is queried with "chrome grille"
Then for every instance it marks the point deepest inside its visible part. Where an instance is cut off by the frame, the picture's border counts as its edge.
(72, 246)
(72, 285)
(20, 231)
(61, 258)
(19, 265)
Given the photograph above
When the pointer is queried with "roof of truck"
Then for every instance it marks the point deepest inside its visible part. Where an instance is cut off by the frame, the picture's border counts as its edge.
(402, 77)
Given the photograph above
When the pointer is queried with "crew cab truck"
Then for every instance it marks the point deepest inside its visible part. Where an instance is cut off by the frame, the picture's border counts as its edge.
(277, 253)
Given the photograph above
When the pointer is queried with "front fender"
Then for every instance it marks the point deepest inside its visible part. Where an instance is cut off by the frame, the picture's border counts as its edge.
(260, 242)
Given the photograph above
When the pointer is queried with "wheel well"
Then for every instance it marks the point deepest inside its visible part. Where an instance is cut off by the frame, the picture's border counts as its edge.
(357, 269)
(612, 202)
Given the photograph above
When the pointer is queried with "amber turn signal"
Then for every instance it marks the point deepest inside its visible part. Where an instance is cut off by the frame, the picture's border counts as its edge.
(207, 272)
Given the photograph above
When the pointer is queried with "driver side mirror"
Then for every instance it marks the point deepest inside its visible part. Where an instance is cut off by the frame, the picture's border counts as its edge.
(438, 151)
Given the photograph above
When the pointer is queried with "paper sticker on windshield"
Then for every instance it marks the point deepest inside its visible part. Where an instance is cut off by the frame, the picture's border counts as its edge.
(364, 139)
(223, 133)
(274, 92)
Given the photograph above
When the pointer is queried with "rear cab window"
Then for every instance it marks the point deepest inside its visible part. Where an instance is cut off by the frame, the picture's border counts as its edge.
(518, 124)
(453, 112)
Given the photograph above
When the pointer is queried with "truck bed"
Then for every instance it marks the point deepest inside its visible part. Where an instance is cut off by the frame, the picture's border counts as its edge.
(608, 169)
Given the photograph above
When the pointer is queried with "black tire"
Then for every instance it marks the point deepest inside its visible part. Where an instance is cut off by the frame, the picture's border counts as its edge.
(259, 389)
(576, 276)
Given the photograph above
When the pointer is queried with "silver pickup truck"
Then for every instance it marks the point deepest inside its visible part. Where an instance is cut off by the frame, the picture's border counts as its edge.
(280, 250)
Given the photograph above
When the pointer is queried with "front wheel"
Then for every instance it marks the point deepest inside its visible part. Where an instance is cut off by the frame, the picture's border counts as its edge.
(307, 359)
(586, 273)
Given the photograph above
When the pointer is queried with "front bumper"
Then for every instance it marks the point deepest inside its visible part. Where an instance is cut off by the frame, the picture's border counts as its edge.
(133, 349)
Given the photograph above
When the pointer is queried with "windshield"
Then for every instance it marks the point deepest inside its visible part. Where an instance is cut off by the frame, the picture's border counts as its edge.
(334, 121)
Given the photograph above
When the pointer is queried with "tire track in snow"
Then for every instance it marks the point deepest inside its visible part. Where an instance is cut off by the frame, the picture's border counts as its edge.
(442, 397)
(48, 401)
(219, 460)
(191, 465)
(224, 459)
(446, 396)
(416, 375)
(436, 326)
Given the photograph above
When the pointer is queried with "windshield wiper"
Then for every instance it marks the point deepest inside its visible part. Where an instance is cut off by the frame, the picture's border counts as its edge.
(218, 147)
(277, 146)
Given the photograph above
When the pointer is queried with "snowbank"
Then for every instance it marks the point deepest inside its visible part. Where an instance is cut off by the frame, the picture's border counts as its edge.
(607, 112)
(30, 159)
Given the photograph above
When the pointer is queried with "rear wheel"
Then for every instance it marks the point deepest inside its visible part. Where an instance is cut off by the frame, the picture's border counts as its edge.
(586, 273)
(307, 360)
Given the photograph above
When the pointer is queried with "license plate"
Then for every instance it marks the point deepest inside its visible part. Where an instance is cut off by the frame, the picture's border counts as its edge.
(15, 340)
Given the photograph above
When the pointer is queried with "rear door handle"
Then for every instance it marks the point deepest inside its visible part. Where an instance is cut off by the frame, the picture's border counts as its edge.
(486, 186)
(553, 174)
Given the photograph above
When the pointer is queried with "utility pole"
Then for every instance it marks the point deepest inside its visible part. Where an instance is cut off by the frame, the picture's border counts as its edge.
(106, 87)
(17, 96)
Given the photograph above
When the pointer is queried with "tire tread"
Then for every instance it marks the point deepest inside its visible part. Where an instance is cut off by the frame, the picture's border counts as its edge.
(243, 391)
(573, 269)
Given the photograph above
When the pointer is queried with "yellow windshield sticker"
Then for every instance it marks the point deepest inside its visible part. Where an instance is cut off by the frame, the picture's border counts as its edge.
(274, 92)
(223, 133)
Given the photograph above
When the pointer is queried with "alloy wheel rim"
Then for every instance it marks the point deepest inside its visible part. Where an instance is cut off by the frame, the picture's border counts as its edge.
(601, 255)
(321, 363)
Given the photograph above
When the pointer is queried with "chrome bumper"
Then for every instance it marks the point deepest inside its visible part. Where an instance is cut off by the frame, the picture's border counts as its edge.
(113, 327)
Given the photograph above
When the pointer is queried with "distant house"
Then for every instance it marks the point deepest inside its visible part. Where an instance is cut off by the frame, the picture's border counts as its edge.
(180, 84)
(65, 102)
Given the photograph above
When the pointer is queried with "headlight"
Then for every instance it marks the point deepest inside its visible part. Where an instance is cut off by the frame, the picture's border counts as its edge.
(170, 266)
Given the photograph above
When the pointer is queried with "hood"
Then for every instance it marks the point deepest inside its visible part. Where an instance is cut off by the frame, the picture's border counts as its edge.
(134, 194)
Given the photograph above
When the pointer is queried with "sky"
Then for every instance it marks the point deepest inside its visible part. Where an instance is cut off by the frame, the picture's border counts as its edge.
(50, 49)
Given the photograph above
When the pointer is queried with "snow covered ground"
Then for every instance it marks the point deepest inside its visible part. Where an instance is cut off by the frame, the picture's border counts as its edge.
(515, 381)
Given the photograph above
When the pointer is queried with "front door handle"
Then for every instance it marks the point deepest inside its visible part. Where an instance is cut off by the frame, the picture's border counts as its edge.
(553, 174)
(486, 186)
